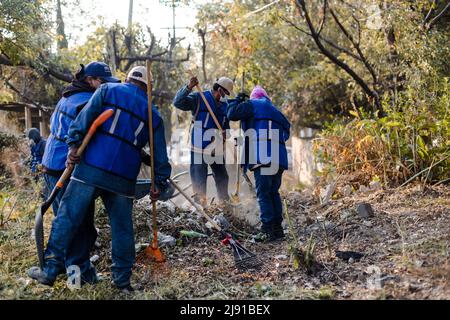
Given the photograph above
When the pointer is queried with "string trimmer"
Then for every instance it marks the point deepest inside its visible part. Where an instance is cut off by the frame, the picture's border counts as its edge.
(39, 219)
(243, 258)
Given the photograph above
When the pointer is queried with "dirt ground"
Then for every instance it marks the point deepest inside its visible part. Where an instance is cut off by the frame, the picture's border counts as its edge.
(405, 249)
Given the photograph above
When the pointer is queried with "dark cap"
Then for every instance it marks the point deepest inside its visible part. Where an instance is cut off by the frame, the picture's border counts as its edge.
(100, 70)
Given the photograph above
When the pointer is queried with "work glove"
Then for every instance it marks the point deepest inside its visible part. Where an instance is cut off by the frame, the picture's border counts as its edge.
(72, 157)
(241, 97)
(166, 190)
(192, 83)
(154, 195)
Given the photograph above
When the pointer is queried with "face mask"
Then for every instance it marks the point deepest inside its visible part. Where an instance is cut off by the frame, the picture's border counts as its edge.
(224, 99)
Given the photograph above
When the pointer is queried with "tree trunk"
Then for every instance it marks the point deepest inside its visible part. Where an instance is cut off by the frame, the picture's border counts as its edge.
(61, 35)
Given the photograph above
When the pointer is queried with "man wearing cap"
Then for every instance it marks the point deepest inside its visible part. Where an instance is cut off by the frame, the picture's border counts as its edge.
(74, 98)
(108, 169)
(266, 130)
(187, 100)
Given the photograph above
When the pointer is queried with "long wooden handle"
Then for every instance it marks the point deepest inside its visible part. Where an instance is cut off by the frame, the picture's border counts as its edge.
(152, 148)
(207, 104)
(150, 124)
(105, 115)
(196, 206)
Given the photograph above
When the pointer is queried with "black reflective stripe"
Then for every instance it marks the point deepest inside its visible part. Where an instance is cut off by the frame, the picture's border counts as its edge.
(59, 138)
(65, 113)
(268, 119)
(101, 131)
(108, 104)
(81, 106)
(107, 171)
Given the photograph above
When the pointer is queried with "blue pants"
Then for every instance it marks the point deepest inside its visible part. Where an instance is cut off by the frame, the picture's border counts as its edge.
(269, 199)
(199, 175)
(73, 210)
(78, 251)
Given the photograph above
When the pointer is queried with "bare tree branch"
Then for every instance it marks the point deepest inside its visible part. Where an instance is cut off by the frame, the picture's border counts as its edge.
(324, 12)
(326, 40)
(38, 66)
(356, 46)
(364, 86)
(436, 18)
(427, 17)
(202, 34)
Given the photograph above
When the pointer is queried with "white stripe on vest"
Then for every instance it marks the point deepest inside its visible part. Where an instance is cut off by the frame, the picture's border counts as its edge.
(116, 118)
(136, 133)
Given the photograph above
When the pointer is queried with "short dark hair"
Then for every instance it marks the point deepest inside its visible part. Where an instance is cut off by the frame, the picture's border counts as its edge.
(137, 82)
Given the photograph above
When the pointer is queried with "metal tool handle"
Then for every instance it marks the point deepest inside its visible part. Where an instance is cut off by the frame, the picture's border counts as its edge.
(196, 206)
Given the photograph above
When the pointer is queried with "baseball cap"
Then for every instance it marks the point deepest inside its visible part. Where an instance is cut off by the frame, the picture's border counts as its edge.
(100, 70)
(227, 84)
(138, 73)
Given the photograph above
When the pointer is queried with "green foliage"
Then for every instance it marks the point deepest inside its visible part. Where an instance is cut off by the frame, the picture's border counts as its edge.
(412, 140)
(22, 28)
(7, 141)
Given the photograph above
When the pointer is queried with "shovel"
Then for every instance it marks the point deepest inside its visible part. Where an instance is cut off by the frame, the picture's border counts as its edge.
(39, 218)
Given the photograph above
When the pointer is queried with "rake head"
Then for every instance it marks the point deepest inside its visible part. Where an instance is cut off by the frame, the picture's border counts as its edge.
(154, 254)
(243, 258)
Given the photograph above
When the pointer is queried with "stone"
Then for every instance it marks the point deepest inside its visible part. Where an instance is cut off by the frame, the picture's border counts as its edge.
(346, 190)
(363, 189)
(365, 210)
(375, 185)
(368, 224)
(281, 257)
(345, 214)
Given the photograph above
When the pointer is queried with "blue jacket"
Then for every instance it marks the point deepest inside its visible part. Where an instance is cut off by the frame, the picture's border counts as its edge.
(263, 117)
(37, 150)
(65, 112)
(113, 157)
(187, 101)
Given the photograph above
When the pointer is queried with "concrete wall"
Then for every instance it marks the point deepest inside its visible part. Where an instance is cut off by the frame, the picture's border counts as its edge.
(304, 164)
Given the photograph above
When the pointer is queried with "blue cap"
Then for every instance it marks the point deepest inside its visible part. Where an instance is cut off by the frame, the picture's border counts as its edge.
(100, 70)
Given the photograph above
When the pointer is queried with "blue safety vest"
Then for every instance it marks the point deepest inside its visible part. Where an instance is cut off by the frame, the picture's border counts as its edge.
(267, 118)
(116, 146)
(65, 112)
(201, 113)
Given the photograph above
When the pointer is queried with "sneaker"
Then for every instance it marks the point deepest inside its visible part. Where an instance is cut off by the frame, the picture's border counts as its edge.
(278, 231)
(128, 289)
(41, 276)
(265, 234)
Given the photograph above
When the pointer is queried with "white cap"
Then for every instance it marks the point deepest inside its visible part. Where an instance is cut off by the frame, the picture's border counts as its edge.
(227, 83)
(138, 73)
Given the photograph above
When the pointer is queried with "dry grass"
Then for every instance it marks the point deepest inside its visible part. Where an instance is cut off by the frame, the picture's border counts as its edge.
(415, 260)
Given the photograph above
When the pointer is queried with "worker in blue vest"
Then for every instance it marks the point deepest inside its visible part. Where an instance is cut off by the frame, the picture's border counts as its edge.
(203, 144)
(108, 169)
(37, 147)
(266, 131)
(74, 98)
